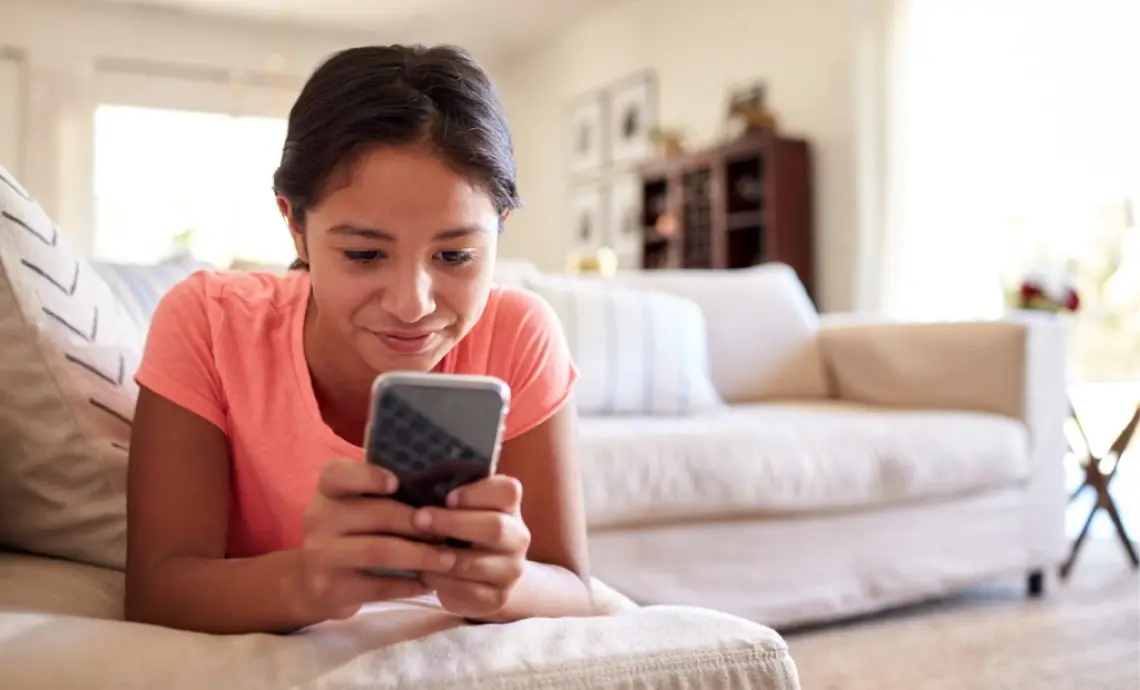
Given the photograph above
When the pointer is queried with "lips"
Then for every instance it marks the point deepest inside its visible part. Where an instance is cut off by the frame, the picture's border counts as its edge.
(407, 343)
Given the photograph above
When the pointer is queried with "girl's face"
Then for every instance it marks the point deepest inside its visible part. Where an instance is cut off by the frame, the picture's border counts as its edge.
(400, 254)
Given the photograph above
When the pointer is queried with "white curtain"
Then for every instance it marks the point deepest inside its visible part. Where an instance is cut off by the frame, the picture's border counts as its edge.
(11, 114)
(1011, 128)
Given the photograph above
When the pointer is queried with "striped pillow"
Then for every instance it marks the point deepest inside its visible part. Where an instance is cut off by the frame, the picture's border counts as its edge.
(638, 352)
(140, 286)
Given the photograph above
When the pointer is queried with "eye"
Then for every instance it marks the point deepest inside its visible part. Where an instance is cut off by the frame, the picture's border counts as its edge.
(456, 258)
(362, 256)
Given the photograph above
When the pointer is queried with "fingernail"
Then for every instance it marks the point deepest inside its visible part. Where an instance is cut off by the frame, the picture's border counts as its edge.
(422, 519)
(386, 482)
(447, 559)
(453, 499)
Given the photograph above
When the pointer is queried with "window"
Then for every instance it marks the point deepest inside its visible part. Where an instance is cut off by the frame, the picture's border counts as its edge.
(1021, 150)
(162, 175)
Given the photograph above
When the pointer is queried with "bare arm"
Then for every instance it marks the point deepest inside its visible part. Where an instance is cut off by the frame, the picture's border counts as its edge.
(556, 580)
(178, 495)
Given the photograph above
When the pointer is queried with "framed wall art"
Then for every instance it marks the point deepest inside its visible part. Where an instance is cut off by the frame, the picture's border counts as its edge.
(587, 217)
(623, 204)
(586, 136)
(632, 117)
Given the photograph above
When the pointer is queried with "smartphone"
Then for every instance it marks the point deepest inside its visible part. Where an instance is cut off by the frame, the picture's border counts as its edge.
(435, 432)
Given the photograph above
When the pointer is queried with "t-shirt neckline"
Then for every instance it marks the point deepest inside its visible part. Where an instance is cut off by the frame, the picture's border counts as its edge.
(302, 297)
(304, 379)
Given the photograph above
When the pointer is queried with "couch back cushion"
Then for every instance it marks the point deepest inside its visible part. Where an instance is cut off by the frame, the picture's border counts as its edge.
(139, 287)
(762, 329)
(638, 352)
(66, 392)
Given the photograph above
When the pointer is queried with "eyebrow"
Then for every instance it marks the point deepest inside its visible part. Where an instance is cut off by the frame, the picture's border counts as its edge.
(377, 234)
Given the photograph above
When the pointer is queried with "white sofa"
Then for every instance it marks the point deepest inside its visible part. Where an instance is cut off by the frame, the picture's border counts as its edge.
(860, 464)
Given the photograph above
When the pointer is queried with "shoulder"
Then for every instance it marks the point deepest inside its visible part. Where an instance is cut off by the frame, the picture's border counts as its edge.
(515, 325)
(513, 307)
(220, 294)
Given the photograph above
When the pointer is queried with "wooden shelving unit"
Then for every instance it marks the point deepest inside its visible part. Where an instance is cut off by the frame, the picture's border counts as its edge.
(740, 204)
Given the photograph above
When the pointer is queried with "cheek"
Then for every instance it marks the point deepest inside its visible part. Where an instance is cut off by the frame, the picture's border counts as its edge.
(340, 297)
(465, 296)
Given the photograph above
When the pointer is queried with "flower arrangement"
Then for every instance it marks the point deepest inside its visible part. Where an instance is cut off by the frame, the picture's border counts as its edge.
(1042, 290)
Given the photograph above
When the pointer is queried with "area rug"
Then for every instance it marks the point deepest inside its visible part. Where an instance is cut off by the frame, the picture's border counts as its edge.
(1083, 635)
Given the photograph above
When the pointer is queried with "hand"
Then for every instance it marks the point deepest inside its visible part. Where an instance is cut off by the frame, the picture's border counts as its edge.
(350, 527)
(485, 513)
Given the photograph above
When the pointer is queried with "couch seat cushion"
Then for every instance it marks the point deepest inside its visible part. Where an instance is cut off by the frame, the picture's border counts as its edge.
(405, 644)
(791, 458)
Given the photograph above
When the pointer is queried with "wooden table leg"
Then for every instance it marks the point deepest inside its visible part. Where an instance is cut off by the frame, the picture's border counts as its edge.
(1099, 481)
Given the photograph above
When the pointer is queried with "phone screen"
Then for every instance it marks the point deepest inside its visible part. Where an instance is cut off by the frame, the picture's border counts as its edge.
(435, 438)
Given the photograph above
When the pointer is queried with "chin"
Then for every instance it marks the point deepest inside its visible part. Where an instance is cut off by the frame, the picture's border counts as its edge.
(380, 360)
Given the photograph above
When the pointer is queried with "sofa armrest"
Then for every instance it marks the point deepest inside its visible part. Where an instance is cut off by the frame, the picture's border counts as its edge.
(1014, 367)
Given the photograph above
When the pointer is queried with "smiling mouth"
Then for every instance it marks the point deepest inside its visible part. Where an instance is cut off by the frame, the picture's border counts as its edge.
(405, 344)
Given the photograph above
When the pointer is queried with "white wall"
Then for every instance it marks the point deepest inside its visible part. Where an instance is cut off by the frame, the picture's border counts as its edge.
(60, 49)
(821, 60)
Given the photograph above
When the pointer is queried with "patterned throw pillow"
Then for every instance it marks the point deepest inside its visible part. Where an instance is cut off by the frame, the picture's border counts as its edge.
(638, 352)
(67, 394)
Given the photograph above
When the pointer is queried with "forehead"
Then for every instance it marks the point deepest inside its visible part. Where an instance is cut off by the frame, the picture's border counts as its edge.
(394, 186)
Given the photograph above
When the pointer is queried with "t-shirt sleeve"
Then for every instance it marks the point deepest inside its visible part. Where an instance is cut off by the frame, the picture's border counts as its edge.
(537, 361)
(178, 359)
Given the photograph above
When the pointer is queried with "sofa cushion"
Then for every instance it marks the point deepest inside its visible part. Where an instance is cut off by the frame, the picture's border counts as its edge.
(791, 458)
(66, 392)
(403, 644)
(638, 352)
(761, 326)
(139, 287)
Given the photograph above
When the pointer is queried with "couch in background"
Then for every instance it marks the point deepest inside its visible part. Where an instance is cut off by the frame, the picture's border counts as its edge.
(742, 453)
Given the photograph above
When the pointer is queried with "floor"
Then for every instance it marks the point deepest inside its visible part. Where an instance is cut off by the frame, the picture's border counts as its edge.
(1084, 634)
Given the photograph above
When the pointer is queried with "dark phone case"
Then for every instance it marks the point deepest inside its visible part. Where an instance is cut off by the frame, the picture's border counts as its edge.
(428, 460)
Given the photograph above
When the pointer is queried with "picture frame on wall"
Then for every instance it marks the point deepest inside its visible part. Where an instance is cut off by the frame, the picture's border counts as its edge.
(623, 205)
(586, 136)
(587, 217)
(632, 117)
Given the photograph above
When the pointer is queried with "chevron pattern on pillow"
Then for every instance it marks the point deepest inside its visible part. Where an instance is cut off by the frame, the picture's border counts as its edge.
(67, 392)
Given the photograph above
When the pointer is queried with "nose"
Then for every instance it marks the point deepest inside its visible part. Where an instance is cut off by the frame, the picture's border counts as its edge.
(410, 297)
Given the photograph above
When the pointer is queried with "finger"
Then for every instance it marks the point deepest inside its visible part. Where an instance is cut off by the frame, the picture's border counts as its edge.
(484, 596)
(354, 589)
(362, 515)
(497, 492)
(353, 478)
(390, 553)
(488, 567)
(487, 528)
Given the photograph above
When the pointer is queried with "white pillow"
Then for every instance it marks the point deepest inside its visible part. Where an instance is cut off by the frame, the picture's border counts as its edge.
(638, 352)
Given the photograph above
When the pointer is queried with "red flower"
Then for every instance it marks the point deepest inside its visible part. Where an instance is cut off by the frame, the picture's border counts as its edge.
(1029, 291)
(1072, 300)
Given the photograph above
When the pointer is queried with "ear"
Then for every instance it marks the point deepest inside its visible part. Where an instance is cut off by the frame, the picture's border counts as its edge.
(295, 229)
(503, 220)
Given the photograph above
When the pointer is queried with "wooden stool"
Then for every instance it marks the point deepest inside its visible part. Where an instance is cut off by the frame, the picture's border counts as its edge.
(1099, 479)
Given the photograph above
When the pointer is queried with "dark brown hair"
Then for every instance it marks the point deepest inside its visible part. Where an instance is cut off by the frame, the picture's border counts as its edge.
(365, 97)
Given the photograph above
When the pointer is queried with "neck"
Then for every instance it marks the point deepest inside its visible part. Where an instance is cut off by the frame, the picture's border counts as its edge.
(342, 385)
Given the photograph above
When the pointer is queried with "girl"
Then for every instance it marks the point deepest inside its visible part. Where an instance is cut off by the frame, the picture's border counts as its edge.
(250, 508)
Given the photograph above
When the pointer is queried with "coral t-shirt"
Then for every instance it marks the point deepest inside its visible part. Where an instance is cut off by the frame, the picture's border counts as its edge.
(229, 348)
